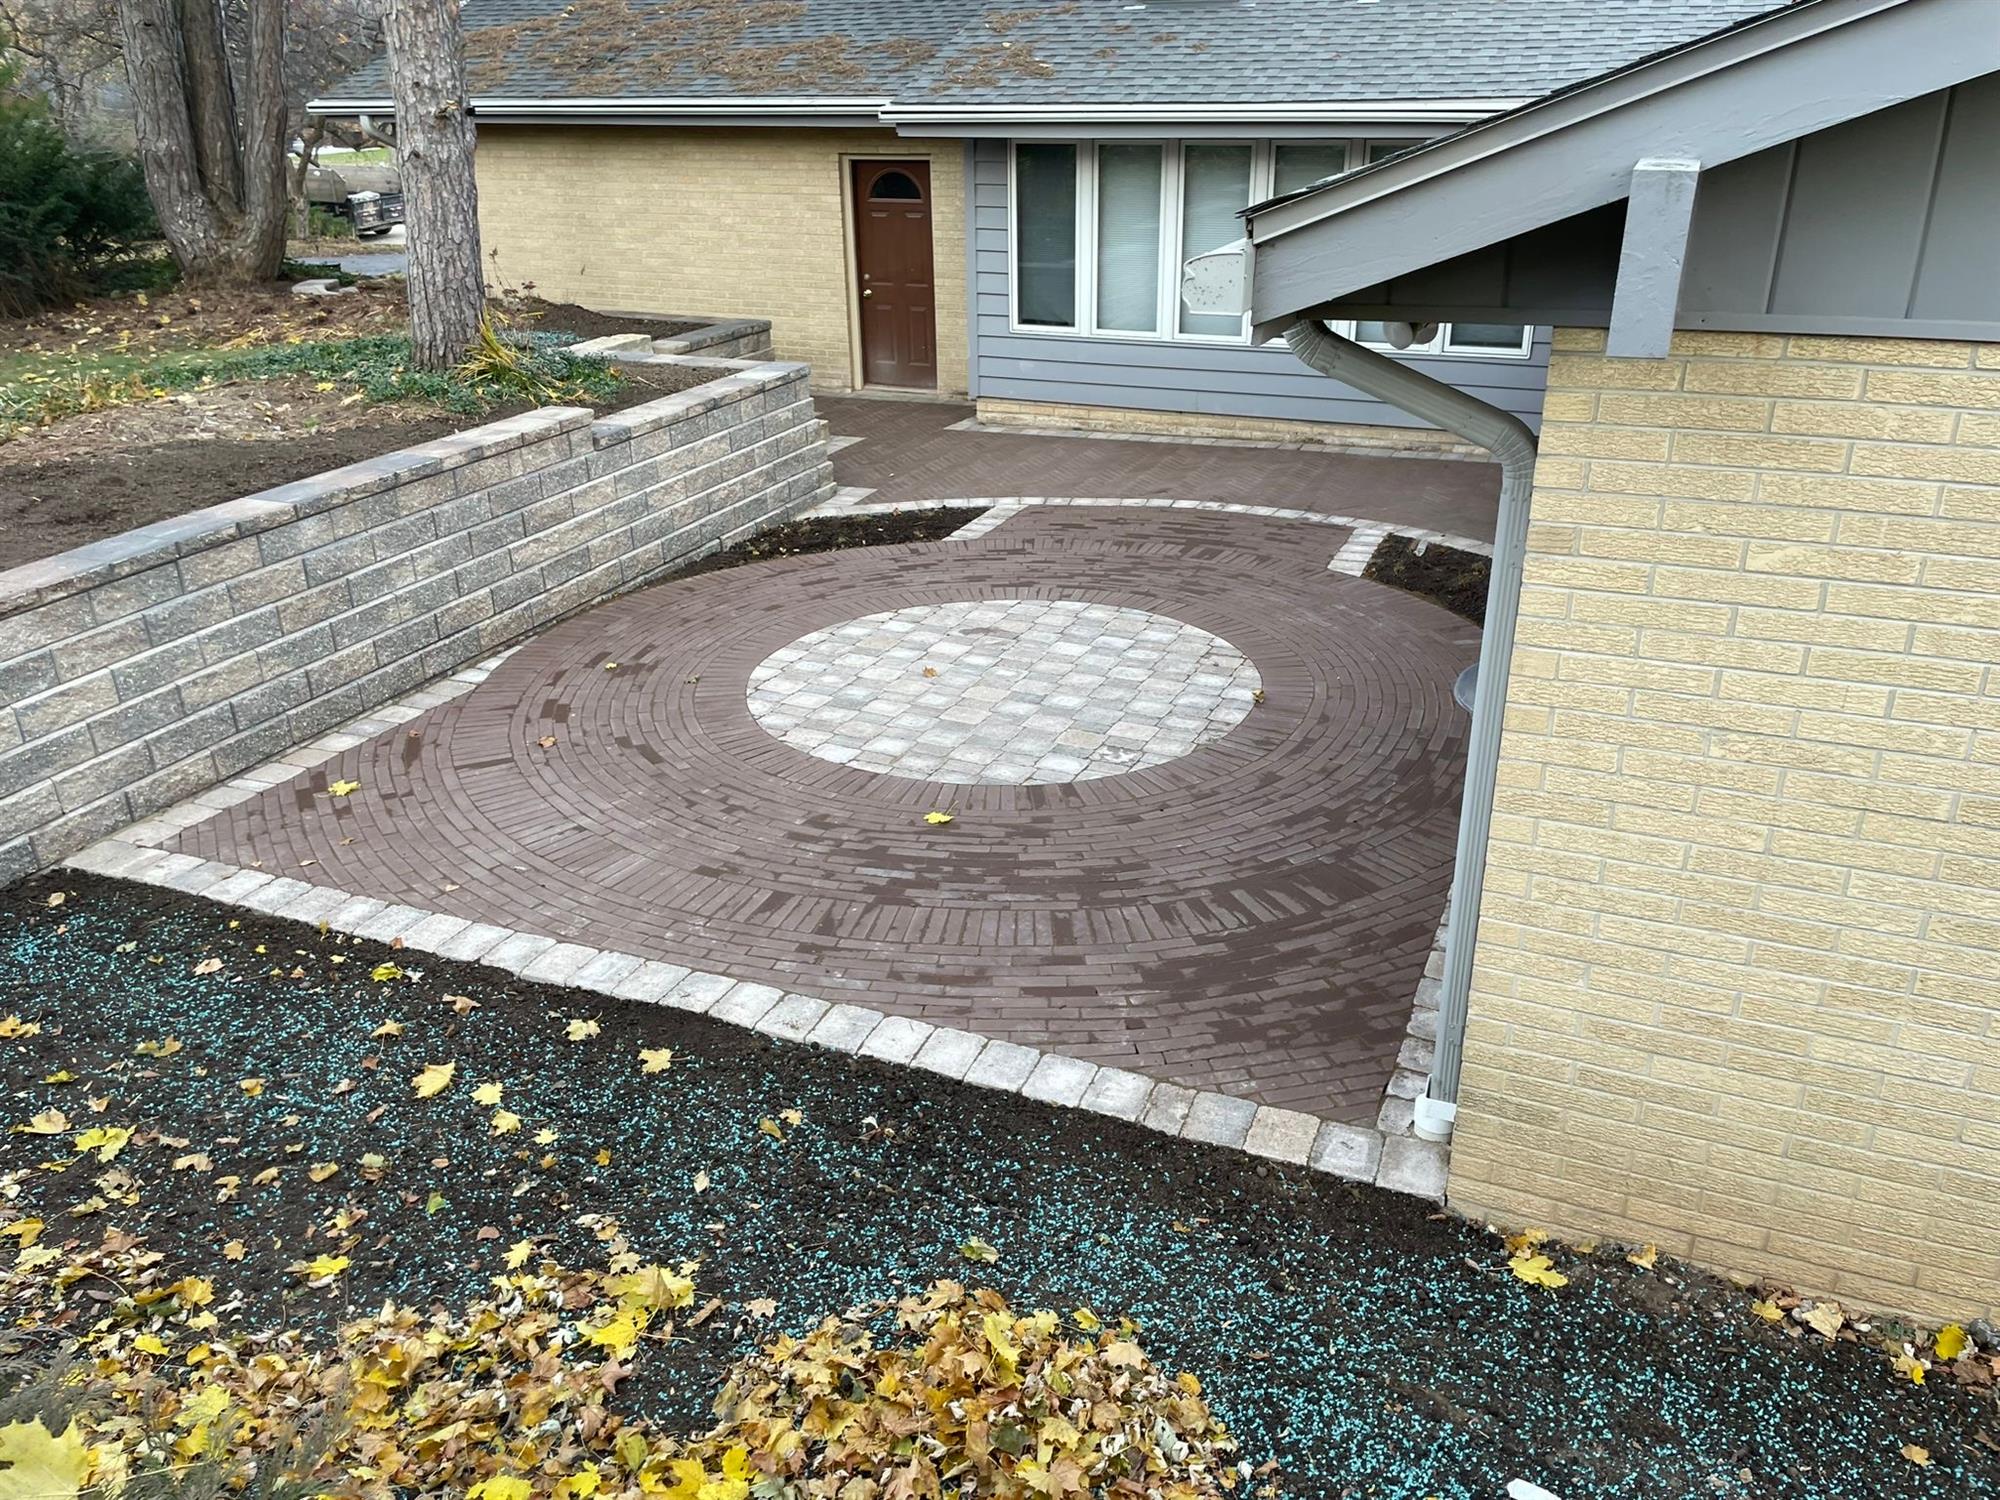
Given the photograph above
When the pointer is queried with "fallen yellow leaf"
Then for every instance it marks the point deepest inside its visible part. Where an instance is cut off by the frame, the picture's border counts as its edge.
(518, 1253)
(655, 1059)
(434, 1080)
(43, 1463)
(48, 1122)
(581, 1030)
(934, 817)
(106, 1140)
(342, 788)
(505, 1122)
(977, 1249)
(321, 1267)
(1645, 1258)
(1537, 1270)
(487, 1094)
(1919, 1456)
(1950, 1342)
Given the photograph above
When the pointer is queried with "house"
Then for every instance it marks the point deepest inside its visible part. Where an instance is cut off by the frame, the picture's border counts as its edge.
(1724, 967)
(994, 201)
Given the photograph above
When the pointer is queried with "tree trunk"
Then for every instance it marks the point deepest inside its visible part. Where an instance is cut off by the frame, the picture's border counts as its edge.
(156, 68)
(216, 174)
(258, 244)
(434, 142)
(211, 96)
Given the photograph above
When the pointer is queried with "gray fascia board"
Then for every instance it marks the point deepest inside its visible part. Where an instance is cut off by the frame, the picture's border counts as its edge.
(1659, 211)
(1801, 71)
(724, 109)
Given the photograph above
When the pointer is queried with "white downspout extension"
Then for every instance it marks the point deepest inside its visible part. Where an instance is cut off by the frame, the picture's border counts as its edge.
(1510, 441)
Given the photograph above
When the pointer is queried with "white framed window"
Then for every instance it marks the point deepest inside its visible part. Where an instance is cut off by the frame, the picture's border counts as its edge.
(1452, 340)
(1097, 232)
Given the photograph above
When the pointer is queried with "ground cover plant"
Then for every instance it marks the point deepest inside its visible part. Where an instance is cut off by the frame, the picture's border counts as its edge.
(122, 411)
(301, 1126)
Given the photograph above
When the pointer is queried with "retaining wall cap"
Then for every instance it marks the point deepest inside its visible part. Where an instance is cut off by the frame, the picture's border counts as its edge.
(650, 416)
(150, 546)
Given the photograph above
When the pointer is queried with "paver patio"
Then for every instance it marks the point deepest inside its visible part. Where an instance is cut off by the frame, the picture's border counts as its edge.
(1202, 790)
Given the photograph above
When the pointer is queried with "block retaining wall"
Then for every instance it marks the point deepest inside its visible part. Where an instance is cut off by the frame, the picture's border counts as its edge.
(144, 668)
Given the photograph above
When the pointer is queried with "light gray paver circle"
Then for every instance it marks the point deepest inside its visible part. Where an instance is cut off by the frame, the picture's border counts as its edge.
(1013, 692)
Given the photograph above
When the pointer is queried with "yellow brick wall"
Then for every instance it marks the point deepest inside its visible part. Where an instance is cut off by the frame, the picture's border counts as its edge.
(746, 222)
(1737, 988)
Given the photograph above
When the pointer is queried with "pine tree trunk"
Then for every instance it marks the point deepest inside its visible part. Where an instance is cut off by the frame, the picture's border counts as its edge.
(434, 142)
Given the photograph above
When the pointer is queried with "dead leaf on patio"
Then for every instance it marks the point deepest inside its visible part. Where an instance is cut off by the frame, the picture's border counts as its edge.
(547, 741)
(930, 671)
(934, 817)
(342, 788)
(434, 1079)
(208, 966)
(460, 1003)
(655, 1059)
(581, 1030)
(1256, 695)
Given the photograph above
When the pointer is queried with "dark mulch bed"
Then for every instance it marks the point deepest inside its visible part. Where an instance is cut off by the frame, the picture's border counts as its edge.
(829, 533)
(588, 324)
(1443, 575)
(1369, 1345)
(50, 502)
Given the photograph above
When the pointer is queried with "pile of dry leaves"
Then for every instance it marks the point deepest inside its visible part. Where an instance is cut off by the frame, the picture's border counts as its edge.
(117, 1370)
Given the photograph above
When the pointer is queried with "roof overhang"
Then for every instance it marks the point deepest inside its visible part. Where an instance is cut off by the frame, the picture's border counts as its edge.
(662, 108)
(1416, 118)
(1004, 119)
(1774, 79)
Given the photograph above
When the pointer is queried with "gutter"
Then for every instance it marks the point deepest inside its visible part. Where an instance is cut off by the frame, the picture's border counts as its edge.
(885, 111)
(1510, 441)
(583, 109)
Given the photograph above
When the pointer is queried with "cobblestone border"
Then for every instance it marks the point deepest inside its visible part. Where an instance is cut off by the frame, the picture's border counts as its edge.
(1458, 452)
(1351, 559)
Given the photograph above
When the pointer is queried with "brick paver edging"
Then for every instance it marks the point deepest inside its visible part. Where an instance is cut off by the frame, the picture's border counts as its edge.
(1352, 558)
(1359, 1153)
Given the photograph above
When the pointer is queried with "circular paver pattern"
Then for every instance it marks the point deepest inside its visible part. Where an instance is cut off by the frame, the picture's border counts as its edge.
(1252, 916)
(1012, 692)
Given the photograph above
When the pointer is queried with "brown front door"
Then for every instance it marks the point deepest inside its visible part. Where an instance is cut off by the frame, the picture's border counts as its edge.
(892, 258)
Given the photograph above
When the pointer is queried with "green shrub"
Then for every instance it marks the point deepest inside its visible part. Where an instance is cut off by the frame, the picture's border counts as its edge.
(67, 215)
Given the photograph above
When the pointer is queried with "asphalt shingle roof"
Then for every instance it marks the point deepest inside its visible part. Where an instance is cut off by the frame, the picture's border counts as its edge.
(1073, 52)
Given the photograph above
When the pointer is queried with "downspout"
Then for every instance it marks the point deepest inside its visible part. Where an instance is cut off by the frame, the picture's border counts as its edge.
(1510, 441)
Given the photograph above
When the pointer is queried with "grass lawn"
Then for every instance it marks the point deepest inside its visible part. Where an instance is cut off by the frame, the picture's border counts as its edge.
(1357, 1342)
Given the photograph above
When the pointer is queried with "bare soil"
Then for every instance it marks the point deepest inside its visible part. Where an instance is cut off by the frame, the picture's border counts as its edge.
(1362, 1342)
(1444, 575)
(94, 475)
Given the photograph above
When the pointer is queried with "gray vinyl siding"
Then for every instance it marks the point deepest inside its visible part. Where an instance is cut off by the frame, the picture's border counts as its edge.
(1885, 226)
(1163, 375)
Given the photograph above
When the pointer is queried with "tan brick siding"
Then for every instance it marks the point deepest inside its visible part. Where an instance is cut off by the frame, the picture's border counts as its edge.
(746, 222)
(1737, 988)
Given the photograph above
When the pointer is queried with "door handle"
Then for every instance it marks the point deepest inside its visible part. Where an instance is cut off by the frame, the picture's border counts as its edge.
(868, 291)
